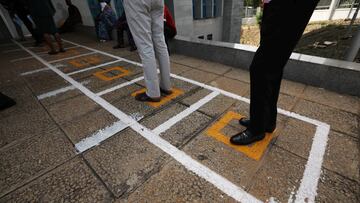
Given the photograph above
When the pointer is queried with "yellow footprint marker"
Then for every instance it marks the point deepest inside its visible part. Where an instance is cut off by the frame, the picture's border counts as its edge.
(254, 151)
(175, 93)
(101, 74)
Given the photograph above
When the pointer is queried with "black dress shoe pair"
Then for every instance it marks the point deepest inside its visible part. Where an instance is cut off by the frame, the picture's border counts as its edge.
(143, 97)
(247, 137)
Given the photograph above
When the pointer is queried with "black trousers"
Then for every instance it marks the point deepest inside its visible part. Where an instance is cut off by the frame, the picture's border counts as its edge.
(282, 26)
(169, 34)
(120, 33)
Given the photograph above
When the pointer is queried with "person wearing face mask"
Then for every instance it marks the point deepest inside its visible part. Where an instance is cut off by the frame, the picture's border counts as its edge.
(146, 21)
(282, 25)
(105, 21)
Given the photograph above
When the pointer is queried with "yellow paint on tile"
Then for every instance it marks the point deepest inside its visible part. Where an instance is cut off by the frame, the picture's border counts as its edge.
(85, 61)
(101, 74)
(254, 151)
(164, 100)
(69, 52)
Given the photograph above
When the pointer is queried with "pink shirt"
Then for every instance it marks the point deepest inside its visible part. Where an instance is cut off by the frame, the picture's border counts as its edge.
(266, 1)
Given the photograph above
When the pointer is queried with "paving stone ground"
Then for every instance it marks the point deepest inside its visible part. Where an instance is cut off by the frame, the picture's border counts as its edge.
(39, 137)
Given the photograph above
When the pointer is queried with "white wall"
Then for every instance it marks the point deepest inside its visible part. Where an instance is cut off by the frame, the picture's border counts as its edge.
(187, 26)
(340, 13)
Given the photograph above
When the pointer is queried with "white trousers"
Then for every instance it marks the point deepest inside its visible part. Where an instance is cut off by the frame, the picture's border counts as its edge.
(146, 21)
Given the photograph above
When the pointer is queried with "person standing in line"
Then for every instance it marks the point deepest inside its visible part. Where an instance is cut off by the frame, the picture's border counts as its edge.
(42, 12)
(146, 21)
(72, 20)
(105, 21)
(282, 26)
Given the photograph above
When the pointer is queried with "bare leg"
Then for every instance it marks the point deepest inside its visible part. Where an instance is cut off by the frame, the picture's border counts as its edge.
(48, 42)
(59, 42)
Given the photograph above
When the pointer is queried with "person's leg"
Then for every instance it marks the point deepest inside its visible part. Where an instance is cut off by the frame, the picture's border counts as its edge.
(167, 36)
(161, 51)
(59, 42)
(49, 43)
(267, 67)
(120, 38)
(130, 38)
(293, 32)
(139, 21)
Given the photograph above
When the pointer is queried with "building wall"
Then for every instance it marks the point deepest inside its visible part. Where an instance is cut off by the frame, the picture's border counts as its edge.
(232, 20)
(187, 26)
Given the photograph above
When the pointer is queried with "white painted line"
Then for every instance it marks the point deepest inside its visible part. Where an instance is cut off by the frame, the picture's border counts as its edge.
(104, 53)
(217, 180)
(171, 122)
(72, 57)
(120, 86)
(99, 136)
(45, 52)
(229, 94)
(93, 67)
(202, 171)
(59, 91)
(309, 183)
(11, 50)
(321, 134)
(39, 53)
(308, 187)
(21, 59)
(41, 70)
(34, 71)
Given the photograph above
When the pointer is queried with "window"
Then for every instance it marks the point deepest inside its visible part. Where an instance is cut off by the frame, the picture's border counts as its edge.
(209, 37)
(203, 9)
(201, 37)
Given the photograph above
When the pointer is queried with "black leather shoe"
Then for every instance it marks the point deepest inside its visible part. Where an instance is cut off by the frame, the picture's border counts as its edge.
(6, 102)
(246, 123)
(246, 138)
(166, 92)
(143, 97)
